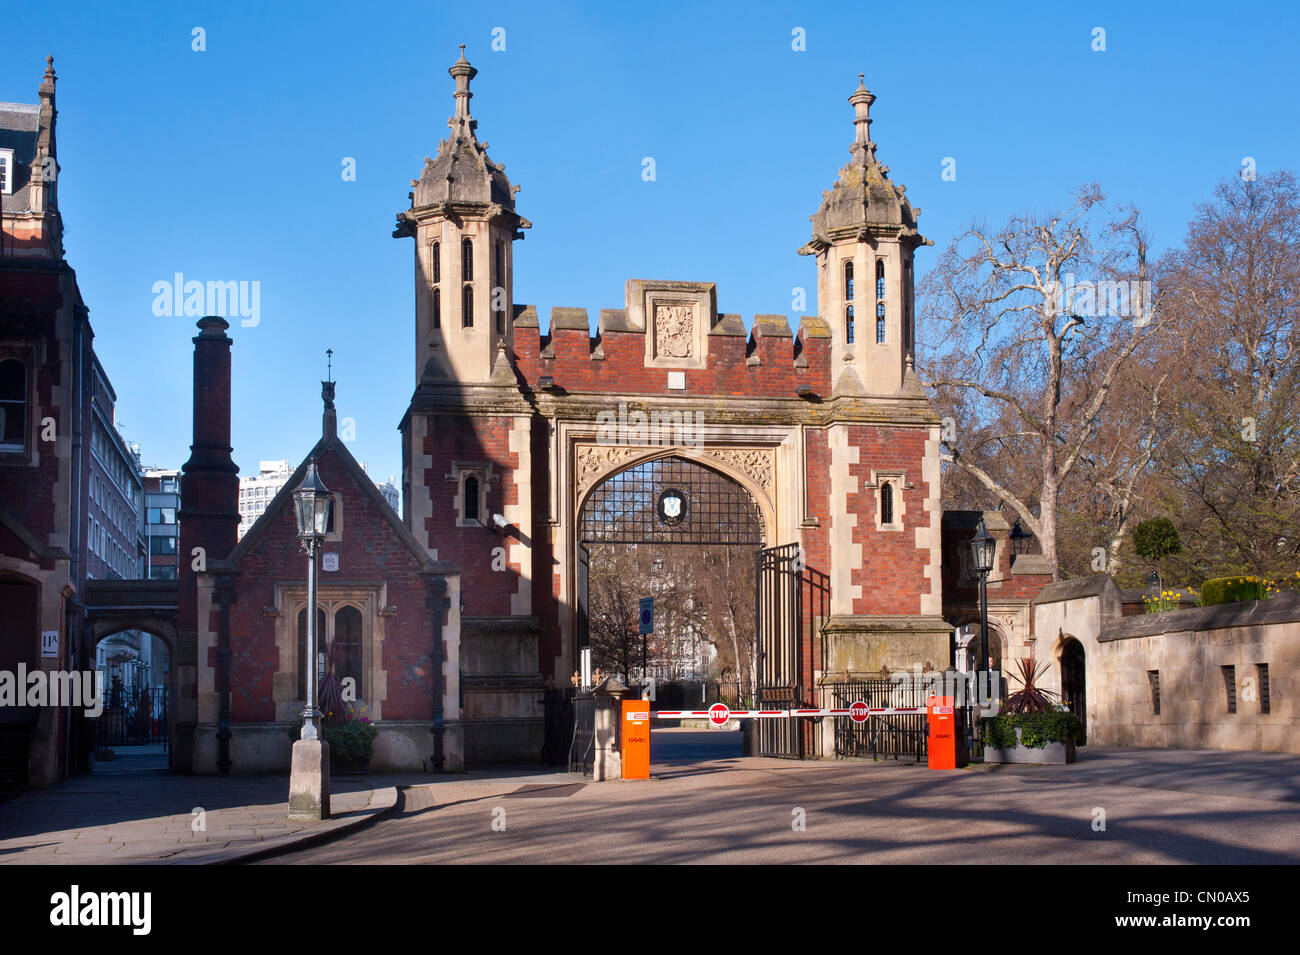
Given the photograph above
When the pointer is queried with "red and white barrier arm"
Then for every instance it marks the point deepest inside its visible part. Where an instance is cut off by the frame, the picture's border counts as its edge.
(731, 714)
(785, 714)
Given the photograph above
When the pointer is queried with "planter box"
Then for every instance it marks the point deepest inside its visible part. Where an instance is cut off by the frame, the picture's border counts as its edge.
(1051, 753)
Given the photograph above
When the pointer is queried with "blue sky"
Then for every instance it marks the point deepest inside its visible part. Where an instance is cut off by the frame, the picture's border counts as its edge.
(225, 164)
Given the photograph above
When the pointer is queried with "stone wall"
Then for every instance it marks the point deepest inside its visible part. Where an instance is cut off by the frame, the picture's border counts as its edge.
(1188, 649)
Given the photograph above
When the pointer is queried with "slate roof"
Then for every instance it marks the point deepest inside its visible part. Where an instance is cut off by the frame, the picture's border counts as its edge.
(18, 131)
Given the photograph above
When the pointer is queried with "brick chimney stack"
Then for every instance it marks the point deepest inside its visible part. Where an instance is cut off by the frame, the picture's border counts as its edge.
(209, 515)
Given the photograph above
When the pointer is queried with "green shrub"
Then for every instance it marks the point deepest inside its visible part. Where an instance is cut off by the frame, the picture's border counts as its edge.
(1226, 590)
(1157, 538)
(1036, 729)
(350, 742)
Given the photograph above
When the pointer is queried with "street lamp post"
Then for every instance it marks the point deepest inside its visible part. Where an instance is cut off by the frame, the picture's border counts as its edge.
(309, 775)
(982, 550)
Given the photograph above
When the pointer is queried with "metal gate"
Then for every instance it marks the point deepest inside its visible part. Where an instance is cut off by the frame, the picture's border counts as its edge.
(790, 605)
(880, 736)
(133, 716)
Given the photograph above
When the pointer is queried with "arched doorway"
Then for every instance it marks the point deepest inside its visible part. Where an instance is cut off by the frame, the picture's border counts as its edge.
(21, 643)
(1074, 689)
(685, 534)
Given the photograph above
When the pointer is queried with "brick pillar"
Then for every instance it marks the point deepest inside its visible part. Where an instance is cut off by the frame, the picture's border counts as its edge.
(209, 516)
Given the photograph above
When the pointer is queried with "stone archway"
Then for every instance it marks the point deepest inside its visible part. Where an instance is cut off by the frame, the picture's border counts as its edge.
(593, 464)
(665, 499)
(149, 607)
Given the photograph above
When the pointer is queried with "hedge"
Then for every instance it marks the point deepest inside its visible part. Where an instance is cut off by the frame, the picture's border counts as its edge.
(1036, 729)
(1226, 590)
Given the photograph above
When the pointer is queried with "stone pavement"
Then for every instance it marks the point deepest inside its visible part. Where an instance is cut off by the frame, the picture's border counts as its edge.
(1212, 772)
(147, 817)
(705, 803)
(1159, 807)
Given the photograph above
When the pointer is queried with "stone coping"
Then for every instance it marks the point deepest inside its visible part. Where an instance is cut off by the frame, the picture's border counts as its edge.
(1284, 608)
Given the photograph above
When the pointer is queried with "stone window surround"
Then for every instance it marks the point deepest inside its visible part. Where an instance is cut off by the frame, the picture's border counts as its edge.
(898, 479)
(290, 599)
(335, 535)
(30, 453)
(460, 470)
(7, 160)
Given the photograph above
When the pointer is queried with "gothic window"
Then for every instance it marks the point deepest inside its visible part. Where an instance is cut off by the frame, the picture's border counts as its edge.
(890, 507)
(880, 280)
(437, 308)
(908, 328)
(13, 405)
(467, 307)
(848, 280)
(848, 325)
(880, 322)
(437, 261)
(498, 289)
(469, 505)
(345, 648)
(302, 647)
(331, 530)
(467, 260)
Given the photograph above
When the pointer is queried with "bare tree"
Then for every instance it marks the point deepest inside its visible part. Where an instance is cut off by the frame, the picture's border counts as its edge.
(1230, 476)
(1023, 317)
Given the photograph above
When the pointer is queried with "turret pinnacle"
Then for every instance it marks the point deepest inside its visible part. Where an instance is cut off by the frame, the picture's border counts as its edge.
(863, 200)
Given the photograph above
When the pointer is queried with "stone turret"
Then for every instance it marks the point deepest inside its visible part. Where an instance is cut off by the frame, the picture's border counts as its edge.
(464, 223)
(864, 234)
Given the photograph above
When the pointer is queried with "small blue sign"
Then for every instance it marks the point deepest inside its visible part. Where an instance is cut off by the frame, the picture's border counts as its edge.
(647, 615)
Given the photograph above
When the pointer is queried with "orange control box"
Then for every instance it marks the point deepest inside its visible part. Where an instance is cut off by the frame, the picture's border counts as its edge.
(636, 739)
(943, 732)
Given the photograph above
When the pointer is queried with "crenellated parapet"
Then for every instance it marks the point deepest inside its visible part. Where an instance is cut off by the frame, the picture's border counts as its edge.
(669, 339)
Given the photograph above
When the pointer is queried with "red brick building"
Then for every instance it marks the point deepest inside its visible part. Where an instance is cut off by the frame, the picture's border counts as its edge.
(57, 449)
(521, 450)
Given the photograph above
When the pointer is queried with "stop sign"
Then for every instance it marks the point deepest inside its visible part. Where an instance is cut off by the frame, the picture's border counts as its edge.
(858, 712)
(719, 714)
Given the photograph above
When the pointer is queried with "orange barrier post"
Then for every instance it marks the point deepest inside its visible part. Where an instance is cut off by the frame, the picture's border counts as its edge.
(943, 732)
(636, 739)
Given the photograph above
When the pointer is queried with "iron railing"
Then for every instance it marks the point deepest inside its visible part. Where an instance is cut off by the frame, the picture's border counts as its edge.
(133, 716)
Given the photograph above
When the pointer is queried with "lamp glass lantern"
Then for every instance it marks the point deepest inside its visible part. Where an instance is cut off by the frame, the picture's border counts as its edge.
(312, 505)
(1020, 539)
(982, 549)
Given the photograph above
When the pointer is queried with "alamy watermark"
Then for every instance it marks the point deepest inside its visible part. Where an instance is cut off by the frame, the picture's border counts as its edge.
(53, 688)
(923, 684)
(242, 300)
(1116, 298)
(657, 428)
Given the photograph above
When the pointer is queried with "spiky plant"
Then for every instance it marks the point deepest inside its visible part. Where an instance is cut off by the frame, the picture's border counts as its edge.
(1030, 698)
(336, 710)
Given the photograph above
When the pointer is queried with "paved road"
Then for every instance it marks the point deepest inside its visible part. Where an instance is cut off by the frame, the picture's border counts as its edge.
(729, 810)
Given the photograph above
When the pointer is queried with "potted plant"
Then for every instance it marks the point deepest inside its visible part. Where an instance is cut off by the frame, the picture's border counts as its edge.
(1031, 727)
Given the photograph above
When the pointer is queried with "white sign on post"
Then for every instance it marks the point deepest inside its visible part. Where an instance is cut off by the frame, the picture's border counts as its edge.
(50, 643)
